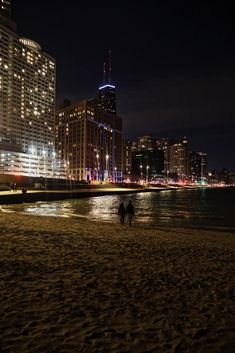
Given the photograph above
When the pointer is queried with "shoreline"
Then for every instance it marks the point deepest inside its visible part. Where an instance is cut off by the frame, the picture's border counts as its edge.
(136, 224)
(8, 197)
(57, 195)
(69, 285)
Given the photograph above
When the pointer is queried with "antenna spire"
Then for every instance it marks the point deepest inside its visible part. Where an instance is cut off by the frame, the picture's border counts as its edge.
(110, 65)
(104, 74)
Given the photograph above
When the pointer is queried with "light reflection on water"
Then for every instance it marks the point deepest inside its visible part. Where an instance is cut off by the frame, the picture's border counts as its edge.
(202, 208)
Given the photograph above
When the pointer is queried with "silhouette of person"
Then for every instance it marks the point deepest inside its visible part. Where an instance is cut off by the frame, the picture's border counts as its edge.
(121, 212)
(130, 211)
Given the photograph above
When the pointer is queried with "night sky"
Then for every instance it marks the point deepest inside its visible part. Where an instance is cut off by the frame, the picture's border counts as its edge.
(173, 63)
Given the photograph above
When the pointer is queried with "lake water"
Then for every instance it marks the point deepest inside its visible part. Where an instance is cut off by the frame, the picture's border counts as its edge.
(202, 208)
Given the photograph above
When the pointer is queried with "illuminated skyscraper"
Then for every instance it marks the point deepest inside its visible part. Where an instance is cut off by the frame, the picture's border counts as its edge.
(107, 98)
(107, 92)
(27, 102)
(90, 140)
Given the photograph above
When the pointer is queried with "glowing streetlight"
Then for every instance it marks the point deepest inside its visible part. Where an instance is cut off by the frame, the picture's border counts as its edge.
(97, 175)
(147, 173)
(141, 172)
(107, 170)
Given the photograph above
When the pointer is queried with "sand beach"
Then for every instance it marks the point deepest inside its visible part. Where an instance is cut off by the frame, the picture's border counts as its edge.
(69, 285)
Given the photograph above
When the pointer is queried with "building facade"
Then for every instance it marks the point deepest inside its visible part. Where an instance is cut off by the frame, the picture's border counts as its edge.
(147, 164)
(27, 96)
(198, 164)
(107, 98)
(177, 164)
(147, 159)
(126, 159)
(90, 140)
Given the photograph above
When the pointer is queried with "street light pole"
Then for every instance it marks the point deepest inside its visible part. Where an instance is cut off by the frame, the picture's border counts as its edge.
(107, 158)
(147, 173)
(141, 172)
(97, 176)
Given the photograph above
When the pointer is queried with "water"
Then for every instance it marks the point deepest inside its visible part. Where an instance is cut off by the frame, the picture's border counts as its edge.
(202, 208)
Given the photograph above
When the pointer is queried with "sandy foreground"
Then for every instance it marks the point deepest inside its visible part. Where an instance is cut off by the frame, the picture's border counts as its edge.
(68, 285)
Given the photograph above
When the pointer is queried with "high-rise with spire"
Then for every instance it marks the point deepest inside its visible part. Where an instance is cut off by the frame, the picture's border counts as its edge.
(107, 92)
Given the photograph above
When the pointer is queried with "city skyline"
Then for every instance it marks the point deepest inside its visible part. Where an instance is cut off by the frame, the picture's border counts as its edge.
(175, 71)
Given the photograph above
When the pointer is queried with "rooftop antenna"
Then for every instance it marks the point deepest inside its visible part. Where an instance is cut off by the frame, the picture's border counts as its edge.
(104, 74)
(110, 65)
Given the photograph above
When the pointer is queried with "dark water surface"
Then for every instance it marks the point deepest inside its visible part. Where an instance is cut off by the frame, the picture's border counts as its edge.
(202, 208)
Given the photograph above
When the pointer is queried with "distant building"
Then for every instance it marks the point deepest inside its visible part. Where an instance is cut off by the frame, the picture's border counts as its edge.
(107, 98)
(223, 176)
(147, 164)
(146, 142)
(163, 142)
(90, 140)
(127, 159)
(177, 163)
(107, 92)
(147, 159)
(198, 166)
(27, 104)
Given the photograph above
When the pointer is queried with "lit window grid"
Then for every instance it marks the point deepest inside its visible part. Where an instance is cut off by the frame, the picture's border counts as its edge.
(84, 137)
(28, 95)
(15, 163)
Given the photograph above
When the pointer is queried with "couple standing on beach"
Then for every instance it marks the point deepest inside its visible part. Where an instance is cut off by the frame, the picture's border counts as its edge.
(129, 211)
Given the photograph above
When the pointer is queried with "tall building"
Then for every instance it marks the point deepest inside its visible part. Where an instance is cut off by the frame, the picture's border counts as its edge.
(27, 104)
(177, 160)
(198, 164)
(147, 164)
(107, 92)
(107, 98)
(147, 159)
(90, 139)
(126, 158)
(146, 142)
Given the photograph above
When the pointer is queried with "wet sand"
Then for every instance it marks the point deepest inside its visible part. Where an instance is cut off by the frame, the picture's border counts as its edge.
(68, 285)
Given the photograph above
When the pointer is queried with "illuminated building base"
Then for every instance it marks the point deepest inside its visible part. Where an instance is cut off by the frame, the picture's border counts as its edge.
(29, 165)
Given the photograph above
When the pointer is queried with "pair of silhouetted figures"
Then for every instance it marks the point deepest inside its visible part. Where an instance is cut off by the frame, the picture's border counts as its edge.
(13, 187)
(129, 211)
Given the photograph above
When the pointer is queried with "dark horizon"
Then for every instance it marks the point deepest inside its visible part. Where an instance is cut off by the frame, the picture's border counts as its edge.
(173, 64)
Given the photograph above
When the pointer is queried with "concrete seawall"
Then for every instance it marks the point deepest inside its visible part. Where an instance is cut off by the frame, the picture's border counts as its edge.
(34, 196)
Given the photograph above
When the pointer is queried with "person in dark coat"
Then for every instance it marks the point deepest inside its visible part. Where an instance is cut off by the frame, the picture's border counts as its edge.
(130, 211)
(122, 212)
